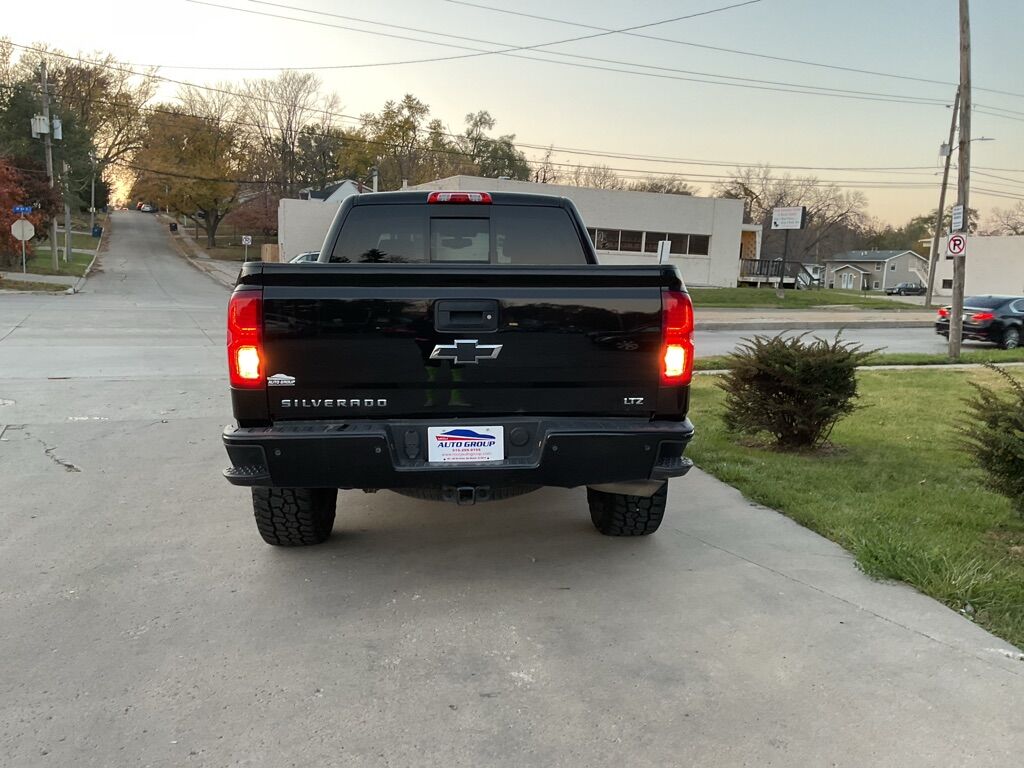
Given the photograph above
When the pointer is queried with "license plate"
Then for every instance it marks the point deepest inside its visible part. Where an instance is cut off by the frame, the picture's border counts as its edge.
(465, 444)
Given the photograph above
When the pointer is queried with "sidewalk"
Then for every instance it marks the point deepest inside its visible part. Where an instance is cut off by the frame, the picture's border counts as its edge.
(72, 283)
(729, 319)
(59, 281)
(223, 272)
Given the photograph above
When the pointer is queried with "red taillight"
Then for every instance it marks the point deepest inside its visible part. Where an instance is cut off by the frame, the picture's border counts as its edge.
(677, 338)
(943, 312)
(245, 340)
(981, 317)
(482, 198)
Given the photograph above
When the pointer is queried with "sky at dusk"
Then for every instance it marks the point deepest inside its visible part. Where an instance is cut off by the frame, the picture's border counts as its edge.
(586, 101)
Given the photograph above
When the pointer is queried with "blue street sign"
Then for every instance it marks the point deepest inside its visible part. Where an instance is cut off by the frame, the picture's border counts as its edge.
(23, 209)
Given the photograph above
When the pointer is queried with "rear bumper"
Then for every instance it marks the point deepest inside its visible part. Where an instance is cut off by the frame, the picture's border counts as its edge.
(990, 332)
(391, 454)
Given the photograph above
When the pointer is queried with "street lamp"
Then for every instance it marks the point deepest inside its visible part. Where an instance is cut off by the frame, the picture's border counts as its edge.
(945, 151)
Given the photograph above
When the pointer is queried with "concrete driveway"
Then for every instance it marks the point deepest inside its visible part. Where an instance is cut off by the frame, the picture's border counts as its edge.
(143, 622)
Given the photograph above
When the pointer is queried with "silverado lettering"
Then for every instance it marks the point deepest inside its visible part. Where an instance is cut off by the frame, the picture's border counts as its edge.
(333, 403)
(416, 294)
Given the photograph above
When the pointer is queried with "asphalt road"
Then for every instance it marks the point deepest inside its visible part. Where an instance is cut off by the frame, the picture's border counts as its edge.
(709, 343)
(143, 622)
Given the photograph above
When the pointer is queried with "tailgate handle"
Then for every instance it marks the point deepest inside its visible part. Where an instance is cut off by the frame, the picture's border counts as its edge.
(466, 315)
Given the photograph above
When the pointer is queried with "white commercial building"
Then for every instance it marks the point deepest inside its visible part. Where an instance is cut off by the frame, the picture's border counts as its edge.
(707, 234)
(994, 265)
(302, 224)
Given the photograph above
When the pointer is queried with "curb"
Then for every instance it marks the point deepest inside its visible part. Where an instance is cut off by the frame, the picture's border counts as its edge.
(96, 254)
(797, 325)
(179, 244)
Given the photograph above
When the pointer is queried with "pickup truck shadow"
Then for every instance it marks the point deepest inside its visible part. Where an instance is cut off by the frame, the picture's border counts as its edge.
(544, 536)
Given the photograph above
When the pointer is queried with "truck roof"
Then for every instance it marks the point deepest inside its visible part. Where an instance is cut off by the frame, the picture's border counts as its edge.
(407, 197)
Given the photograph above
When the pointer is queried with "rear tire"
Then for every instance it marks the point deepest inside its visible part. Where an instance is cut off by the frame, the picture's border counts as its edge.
(1011, 338)
(619, 514)
(294, 517)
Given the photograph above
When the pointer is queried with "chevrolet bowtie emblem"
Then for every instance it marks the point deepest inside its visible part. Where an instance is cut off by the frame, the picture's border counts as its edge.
(466, 352)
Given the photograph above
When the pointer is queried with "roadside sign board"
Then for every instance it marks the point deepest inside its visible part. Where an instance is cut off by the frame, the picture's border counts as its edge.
(22, 209)
(958, 219)
(956, 245)
(246, 239)
(789, 218)
(23, 230)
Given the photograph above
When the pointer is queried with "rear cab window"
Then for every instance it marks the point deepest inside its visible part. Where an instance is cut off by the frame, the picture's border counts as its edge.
(491, 234)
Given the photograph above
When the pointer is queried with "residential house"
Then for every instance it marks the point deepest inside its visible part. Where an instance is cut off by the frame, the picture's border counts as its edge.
(335, 192)
(874, 270)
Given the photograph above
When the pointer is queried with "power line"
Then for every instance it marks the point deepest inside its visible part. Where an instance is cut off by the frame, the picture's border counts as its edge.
(575, 39)
(697, 178)
(981, 191)
(977, 111)
(994, 176)
(747, 83)
(722, 49)
(643, 173)
(324, 112)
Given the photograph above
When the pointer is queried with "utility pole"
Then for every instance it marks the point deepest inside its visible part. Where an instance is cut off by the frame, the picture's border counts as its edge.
(956, 313)
(48, 145)
(67, 210)
(934, 260)
(92, 194)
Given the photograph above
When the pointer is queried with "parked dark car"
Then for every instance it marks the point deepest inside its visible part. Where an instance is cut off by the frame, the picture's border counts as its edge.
(995, 319)
(905, 289)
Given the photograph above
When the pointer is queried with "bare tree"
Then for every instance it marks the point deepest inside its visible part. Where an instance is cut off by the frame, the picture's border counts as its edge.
(545, 171)
(275, 113)
(107, 99)
(835, 217)
(668, 185)
(595, 176)
(1009, 221)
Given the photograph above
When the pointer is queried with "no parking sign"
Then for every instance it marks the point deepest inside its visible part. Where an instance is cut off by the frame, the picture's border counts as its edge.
(956, 245)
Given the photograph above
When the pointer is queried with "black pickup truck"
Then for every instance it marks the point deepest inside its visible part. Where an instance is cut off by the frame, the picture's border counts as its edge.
(463, 347)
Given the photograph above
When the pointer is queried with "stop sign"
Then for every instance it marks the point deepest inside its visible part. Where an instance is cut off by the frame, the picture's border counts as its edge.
(23, 230)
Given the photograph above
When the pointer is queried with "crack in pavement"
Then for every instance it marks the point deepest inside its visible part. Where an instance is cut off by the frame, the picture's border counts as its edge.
(49, 450)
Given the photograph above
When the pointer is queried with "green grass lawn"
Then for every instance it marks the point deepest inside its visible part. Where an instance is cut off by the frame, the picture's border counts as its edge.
(83, 242)
(897, 491)
(993, 355)
(41, 262)
(765, 298)
(24, 285)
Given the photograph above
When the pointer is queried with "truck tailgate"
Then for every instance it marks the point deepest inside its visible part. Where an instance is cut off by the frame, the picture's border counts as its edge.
(395, 340)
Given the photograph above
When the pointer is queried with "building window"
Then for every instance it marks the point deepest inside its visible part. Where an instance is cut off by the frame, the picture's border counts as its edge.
(651, 240)
(680, 243)
(947, 284)
(876, 285)
(607, 240)
(630, 241)
(635, 241)
(878, 266)
(892, 267)
(700, 245)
